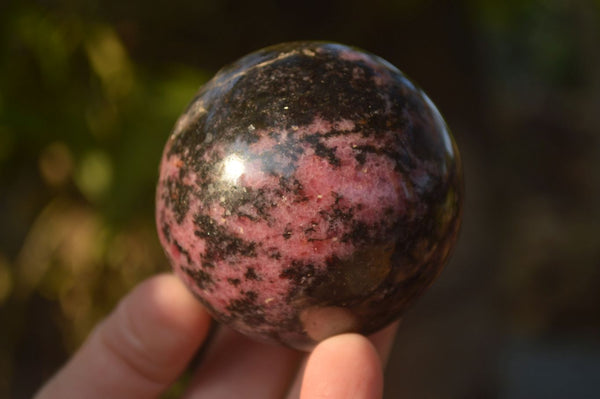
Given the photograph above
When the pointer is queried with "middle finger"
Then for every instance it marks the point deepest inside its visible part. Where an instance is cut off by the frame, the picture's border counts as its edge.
(235, 366)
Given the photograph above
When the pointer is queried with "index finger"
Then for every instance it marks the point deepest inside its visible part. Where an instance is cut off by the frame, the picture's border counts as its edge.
(139, 349)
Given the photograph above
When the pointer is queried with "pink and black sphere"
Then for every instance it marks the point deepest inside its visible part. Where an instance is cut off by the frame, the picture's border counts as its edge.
(309, 189)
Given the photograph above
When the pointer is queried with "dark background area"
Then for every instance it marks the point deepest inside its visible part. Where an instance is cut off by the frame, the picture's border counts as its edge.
(89, 91)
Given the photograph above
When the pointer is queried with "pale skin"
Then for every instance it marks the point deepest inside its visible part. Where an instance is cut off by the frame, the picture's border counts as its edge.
(141, 348)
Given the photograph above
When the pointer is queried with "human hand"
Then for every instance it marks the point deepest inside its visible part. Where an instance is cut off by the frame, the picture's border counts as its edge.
(140, 349)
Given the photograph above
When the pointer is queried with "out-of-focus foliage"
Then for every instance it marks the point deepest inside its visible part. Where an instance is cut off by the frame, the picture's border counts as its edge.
(81, 131)
(89, 91)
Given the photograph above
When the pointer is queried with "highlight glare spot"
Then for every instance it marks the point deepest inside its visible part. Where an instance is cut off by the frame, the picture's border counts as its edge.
(233, 168)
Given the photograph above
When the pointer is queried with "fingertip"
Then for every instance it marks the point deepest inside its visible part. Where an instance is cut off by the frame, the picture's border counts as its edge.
(140, 348)
(164, 302)
(344, 366)
(156, 329)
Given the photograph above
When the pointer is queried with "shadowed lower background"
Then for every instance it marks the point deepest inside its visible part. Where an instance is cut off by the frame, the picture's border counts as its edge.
(89, 91)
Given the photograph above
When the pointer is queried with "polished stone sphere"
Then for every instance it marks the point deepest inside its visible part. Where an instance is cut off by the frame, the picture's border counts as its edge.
(309, 189)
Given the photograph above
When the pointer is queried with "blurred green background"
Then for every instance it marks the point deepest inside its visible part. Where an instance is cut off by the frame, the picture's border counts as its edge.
(90, 89)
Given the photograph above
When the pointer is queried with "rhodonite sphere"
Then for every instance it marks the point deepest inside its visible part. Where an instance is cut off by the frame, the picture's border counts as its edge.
(309, 189)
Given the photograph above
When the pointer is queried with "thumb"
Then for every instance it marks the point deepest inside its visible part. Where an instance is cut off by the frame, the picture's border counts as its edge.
(344, 366)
